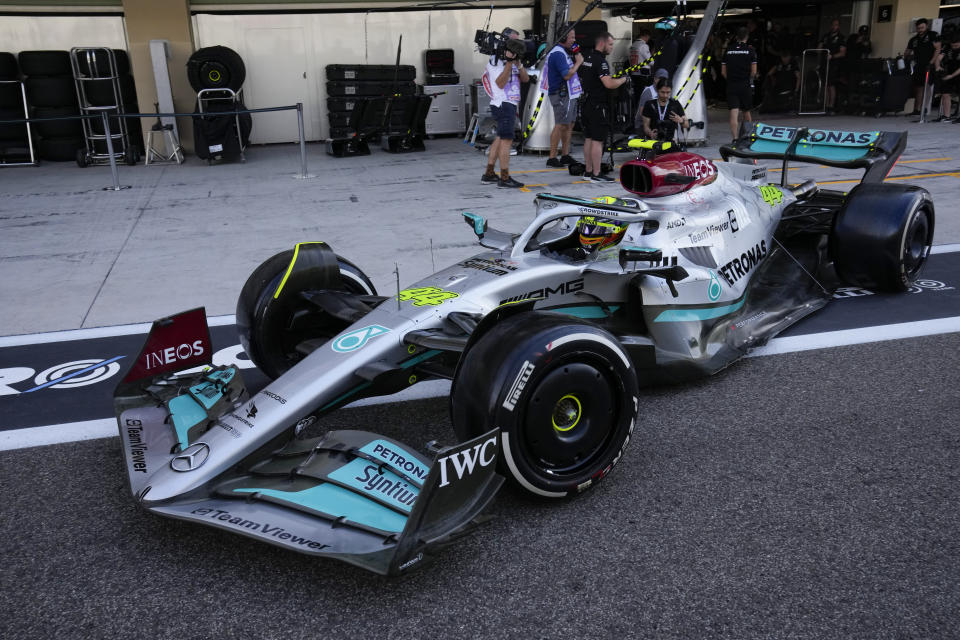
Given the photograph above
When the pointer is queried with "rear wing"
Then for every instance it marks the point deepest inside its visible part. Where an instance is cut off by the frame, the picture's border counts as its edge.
(875, 151)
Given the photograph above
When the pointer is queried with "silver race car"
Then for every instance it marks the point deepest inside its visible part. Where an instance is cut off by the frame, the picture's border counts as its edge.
(548, 336)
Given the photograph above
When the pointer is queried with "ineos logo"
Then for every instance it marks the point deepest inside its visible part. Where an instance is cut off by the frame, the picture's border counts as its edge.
(192, 457)
(174, 354)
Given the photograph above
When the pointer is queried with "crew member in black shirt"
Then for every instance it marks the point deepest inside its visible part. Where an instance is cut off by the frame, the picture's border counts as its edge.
(739, 68)
(594, 111)
(836, 44)
(662, 116)
(923, 47)
(948, 77)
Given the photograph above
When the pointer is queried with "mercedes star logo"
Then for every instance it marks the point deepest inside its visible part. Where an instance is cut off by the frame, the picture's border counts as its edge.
(191, 458)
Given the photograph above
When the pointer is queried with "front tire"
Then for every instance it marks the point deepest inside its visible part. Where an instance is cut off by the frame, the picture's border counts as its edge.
(563, 394)
(271, 330)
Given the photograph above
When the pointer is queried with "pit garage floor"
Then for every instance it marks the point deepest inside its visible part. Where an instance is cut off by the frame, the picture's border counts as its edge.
(808, 492)
(74, 256)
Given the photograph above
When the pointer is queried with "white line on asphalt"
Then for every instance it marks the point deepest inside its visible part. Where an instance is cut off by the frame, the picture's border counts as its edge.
(96, 332)
(105, 428)
(213, 321)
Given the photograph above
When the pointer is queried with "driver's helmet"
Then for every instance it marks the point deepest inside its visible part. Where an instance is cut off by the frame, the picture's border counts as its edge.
(600, 233)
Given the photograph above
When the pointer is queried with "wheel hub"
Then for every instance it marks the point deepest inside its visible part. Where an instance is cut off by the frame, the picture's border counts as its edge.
(566, 414)
(571, 414)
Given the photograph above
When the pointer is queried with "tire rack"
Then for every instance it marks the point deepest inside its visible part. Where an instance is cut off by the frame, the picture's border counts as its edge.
(26, 112)
(235, 98)
(122, 149)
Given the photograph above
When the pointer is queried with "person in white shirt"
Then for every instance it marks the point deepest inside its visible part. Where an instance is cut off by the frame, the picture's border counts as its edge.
(502, 81)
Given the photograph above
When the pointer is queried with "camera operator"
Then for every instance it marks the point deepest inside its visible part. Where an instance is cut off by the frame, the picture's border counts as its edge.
(502, 80)
(594, 112)
(562, 84)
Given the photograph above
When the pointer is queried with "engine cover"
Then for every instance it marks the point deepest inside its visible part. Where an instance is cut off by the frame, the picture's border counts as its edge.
(666, 174)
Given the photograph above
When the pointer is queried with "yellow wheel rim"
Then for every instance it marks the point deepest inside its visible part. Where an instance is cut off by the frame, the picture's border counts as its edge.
(566, 413)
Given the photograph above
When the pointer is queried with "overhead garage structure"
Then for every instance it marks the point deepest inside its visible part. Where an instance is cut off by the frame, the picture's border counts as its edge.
(287, 45)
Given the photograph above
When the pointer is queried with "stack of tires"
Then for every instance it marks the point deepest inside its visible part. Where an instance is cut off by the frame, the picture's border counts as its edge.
(51, 94)
(99, 91)
(217, 136)
(350, 85)
(14, 145)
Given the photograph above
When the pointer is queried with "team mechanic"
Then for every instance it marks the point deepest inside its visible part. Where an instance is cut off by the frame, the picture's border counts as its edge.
(562, 85)
(948, 77)
(923, 48)
(502, 80)
(594, 112)
(739, 68)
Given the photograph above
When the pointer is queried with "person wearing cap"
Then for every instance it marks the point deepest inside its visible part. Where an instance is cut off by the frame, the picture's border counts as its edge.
(859, 45)
(501, 80)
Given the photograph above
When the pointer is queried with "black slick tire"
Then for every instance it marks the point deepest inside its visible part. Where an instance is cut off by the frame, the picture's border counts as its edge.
(58, 149)
(882, 236)
(45, 63)
(9, 70)
(57, 128)
(56, 91)
(270, 333)
(216, 68)
(563, 393)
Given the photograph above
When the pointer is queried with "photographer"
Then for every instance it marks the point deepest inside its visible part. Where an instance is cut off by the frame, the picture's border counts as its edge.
(662, 116)
(502, 80)
(594, 114)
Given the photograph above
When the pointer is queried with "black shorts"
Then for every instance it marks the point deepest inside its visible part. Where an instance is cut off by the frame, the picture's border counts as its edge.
(739, 95)
(595, 121)
(506, 117)
(920, 76)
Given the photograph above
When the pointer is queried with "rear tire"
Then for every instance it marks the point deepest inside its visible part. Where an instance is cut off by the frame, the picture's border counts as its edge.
(882, 236)
(563, 394)
(270, 339)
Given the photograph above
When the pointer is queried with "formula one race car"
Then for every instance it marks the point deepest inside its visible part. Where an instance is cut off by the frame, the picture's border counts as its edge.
(548, 337)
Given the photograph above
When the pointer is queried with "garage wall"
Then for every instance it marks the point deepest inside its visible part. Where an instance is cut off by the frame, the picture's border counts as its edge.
(27, 33)
(286, 54)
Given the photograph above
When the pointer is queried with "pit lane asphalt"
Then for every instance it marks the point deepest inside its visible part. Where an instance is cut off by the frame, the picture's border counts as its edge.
(805, 495)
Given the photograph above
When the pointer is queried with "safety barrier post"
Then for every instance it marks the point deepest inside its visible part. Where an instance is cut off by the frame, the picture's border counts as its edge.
(113, 161)
(303, 143)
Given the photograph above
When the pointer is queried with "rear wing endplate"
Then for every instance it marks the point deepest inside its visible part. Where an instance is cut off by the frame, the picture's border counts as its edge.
(875, 151)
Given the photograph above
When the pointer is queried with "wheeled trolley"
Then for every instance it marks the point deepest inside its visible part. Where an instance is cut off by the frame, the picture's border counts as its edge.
(221, 136)
(101, 92)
